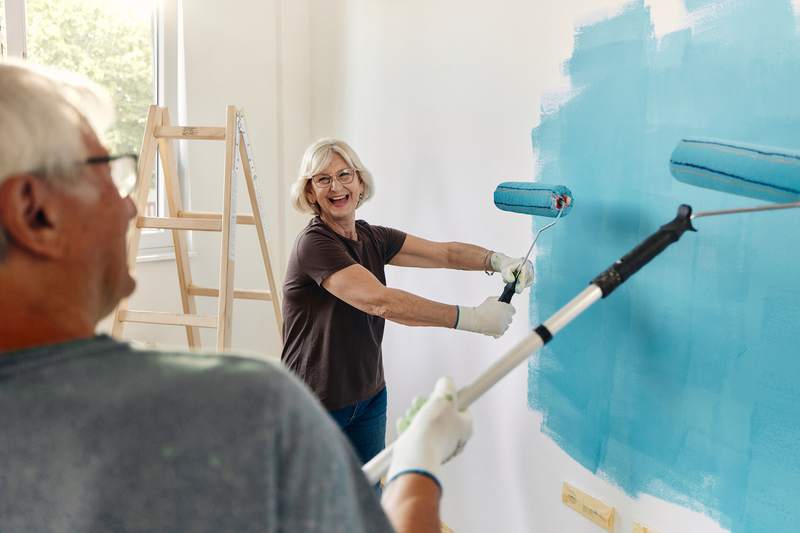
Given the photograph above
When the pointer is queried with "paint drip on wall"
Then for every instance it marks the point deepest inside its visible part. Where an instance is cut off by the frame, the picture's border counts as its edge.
(685, 383)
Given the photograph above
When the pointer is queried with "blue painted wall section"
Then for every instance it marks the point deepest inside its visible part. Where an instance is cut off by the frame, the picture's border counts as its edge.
(685, 383)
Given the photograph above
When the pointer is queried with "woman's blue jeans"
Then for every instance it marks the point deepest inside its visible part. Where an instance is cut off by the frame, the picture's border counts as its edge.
(364, 423)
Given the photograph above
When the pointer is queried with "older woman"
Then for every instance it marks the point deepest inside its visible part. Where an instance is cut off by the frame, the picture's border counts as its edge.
(335, 298)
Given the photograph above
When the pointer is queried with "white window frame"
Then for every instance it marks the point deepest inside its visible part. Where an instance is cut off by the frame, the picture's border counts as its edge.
(15, 28)
(154, 245)
(3, 51)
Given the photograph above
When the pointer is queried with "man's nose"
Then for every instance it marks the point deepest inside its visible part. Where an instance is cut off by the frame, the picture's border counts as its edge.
(131, 207)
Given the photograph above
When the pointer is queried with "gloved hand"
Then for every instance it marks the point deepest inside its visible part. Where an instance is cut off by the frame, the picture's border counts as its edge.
(490, 318)
(507, 266)
(437, 433)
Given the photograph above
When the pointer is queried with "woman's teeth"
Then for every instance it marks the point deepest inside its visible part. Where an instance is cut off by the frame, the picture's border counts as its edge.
(337, 200)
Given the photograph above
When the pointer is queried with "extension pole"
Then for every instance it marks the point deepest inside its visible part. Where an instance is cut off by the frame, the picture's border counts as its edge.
(600, 287)
(775, 207)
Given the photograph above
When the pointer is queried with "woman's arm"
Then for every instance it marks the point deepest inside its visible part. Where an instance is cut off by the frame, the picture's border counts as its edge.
(358, 287)
(417, 252)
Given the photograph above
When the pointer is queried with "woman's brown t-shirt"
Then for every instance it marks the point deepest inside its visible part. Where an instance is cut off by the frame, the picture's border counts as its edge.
(332, 346)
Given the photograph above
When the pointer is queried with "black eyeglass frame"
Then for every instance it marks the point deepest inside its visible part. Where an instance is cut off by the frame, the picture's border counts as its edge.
(106, 159)
(109, 158)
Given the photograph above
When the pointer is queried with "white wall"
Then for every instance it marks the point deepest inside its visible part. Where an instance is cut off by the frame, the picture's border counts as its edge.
(438, 97)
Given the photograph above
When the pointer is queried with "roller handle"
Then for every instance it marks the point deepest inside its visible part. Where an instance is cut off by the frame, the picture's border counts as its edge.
(656, 243)
(510, 288)
(508, 292)
(379, 465)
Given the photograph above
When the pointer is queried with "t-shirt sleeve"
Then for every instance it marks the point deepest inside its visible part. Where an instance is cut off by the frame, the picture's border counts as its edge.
(320, 255)
(390, 241)
(322, 487)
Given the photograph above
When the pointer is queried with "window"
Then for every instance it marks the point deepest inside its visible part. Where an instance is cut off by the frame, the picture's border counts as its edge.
(116, 43)
(3, 44)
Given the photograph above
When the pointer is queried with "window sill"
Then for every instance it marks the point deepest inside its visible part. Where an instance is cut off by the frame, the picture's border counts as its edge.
(154, 255)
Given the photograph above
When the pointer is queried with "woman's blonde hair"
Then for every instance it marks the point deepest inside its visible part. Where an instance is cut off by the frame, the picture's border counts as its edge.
(316, 158)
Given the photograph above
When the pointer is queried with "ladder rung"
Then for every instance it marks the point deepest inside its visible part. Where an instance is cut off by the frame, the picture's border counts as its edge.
(168, 319)
(197, 224)
(189, 132)
(240, 219)
(195, 290)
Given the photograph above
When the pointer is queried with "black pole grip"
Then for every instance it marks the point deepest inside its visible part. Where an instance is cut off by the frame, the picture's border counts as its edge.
(508, 292)
(656, 243)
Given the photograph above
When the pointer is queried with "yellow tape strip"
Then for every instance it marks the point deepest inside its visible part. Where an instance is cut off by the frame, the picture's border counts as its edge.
(592, 508)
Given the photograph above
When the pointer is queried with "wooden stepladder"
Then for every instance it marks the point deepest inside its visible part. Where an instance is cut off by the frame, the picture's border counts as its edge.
(158, 137)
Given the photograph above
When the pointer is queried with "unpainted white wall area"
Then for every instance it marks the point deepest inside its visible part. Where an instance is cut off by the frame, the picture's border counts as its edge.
(439, 98)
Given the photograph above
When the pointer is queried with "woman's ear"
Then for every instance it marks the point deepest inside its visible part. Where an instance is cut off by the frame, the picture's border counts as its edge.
(362, 187)
(311, 195)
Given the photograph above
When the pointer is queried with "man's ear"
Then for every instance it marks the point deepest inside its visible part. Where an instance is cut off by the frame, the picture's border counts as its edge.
(31, 215)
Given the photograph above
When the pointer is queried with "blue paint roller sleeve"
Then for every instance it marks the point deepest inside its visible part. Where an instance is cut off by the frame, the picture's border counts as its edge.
(764, 173)
(538, 199)
(528, 198)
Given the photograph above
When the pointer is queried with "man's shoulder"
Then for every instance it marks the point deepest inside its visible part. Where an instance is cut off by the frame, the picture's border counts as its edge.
(230, 386)
(187, 360)
(107, 366)
(228, 370)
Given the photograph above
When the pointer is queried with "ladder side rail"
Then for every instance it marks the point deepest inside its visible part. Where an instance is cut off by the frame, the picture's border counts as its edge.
(259, 214)
(144, 173)
(173, 193)
(228, 246)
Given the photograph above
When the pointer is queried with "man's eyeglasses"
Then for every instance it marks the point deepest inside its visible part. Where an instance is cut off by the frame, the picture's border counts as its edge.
(123, 170)
(344, 176)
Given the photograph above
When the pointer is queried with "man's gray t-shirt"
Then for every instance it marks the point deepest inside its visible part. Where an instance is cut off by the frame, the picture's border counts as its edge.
(98, 436)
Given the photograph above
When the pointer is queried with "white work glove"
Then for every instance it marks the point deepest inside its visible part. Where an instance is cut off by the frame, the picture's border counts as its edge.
(438, 432)
(508, 266)
(492, 317)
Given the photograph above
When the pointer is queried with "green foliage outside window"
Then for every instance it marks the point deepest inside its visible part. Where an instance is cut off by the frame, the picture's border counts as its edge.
(110, 42)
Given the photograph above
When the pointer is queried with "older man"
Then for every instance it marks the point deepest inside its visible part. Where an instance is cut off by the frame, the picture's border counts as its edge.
(100, 436)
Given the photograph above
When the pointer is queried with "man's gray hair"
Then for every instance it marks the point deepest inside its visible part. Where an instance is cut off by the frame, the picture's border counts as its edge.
(42, 114)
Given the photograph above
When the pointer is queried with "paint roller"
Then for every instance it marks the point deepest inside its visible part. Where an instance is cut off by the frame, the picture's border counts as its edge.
(760, 172)
(538, 199)
(754, 171)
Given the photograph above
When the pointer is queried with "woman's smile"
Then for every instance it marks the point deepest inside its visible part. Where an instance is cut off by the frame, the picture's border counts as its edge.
(339, 200)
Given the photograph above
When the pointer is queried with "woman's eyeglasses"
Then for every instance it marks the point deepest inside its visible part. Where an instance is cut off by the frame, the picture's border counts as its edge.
(123, 170)
(344, 176)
